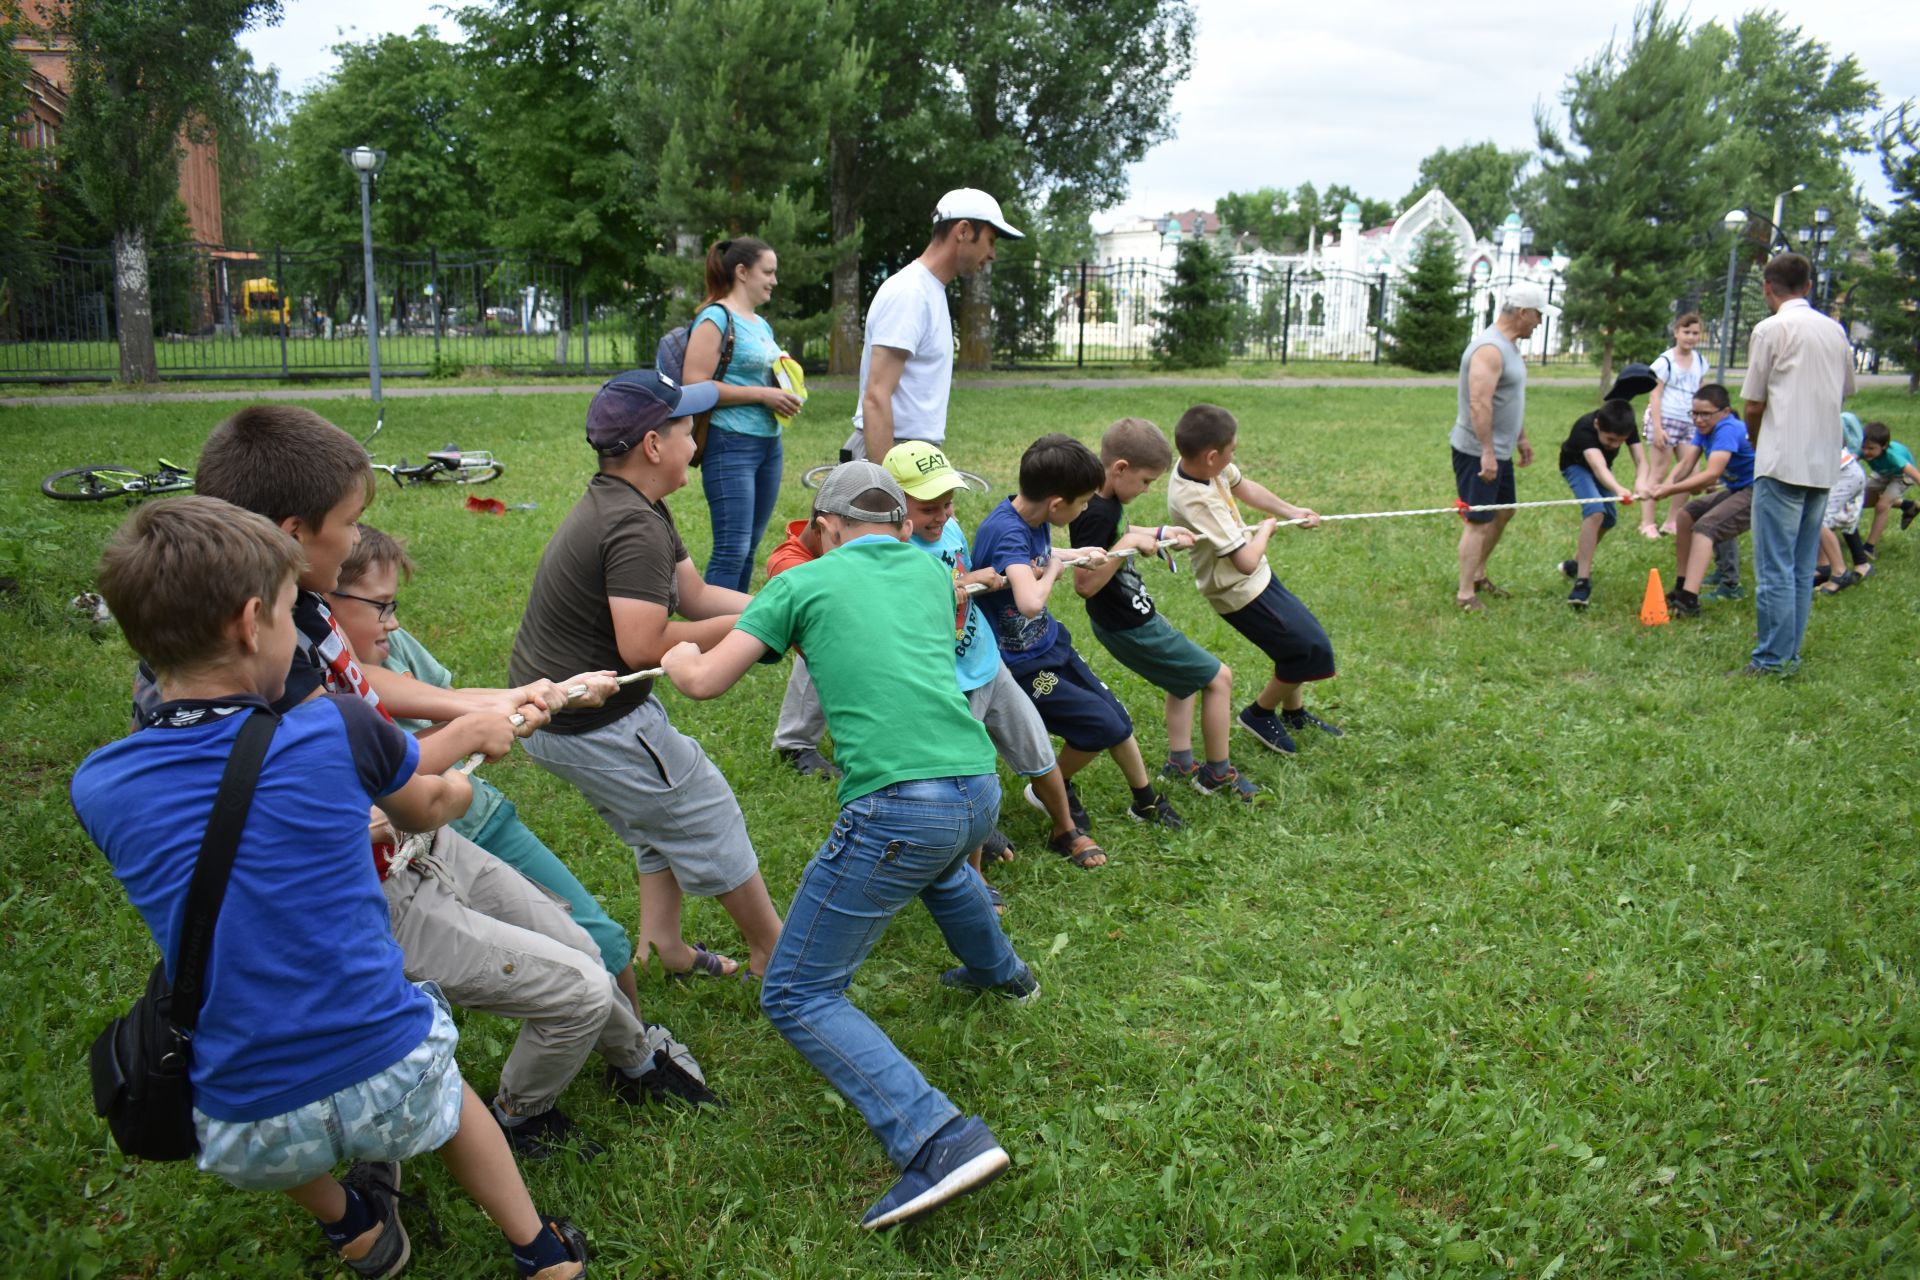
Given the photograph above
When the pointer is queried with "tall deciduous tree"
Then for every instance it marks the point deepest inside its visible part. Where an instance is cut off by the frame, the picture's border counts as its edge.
(144, 73)
(724, 108)
(1625, 182)
(560, 183)
(1023, 100)
(410, 95)
(1890, 289)
(1481, 179)
(1431, 326)
(21, 174)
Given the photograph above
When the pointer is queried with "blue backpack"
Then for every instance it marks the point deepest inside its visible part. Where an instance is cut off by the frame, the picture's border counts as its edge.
(670, 358)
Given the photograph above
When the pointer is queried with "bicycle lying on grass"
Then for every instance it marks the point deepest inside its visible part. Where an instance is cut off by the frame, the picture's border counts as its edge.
(101, 481)
(446, 466)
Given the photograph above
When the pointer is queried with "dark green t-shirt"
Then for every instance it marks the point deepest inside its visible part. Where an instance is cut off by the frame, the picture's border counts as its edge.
(875, 617)
(614, 543)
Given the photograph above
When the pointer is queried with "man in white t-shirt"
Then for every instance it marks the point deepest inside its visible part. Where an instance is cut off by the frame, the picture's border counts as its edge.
(906, 365)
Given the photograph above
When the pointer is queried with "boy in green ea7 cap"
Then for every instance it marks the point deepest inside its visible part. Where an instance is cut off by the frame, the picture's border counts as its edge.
(996, 700)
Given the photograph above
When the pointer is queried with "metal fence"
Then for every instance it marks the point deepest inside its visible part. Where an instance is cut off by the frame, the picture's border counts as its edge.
(235, 313)
(227, 313)
(1090, 313)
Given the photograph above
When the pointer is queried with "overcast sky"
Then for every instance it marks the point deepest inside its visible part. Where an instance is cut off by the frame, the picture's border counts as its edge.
(1288, 93)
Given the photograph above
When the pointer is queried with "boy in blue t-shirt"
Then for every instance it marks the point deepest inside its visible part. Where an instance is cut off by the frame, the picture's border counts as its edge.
(1720, 437)
(1019, 735)
(311, 1042)
(1058, 477)
(920, 793)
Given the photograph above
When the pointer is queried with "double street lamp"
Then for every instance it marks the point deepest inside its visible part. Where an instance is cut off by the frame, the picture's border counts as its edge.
(367, 162)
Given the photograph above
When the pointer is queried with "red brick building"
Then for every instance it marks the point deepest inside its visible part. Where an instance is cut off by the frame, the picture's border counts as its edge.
(48, 53)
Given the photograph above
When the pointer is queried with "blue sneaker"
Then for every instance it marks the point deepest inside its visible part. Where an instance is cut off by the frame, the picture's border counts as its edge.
(962, 1157)
(1020, 988)
(1266, 726)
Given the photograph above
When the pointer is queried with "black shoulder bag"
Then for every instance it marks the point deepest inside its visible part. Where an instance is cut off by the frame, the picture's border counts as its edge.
(140, 1061)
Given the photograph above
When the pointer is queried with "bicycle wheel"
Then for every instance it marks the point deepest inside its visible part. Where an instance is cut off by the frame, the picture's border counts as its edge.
(473, 475)
(88, 484)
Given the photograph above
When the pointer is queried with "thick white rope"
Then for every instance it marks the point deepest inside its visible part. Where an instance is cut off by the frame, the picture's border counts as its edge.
(1458, 509)
(573, 691)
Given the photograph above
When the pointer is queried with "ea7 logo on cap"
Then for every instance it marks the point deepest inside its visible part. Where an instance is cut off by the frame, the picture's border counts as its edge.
(934, 461)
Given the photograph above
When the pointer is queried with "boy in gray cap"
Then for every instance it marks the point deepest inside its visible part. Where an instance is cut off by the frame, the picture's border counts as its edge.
(875, 617)
(611, 580)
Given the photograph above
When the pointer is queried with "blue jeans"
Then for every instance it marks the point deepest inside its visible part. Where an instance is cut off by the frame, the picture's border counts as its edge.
(1786, 544)
(888, 847)
(741, 475)
(1587, 488)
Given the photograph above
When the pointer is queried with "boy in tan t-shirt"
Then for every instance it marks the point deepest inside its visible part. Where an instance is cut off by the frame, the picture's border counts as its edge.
(1231, 570)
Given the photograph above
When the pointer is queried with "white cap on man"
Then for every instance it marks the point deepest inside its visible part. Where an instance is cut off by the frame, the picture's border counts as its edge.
(975, 206)
(1524, 294)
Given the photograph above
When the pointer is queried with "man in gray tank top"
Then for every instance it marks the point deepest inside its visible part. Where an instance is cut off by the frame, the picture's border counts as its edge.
(1488, 430)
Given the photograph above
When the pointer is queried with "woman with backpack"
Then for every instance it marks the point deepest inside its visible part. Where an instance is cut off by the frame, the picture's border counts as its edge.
(729, 343)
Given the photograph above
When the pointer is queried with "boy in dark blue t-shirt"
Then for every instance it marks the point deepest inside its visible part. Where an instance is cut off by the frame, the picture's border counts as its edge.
(1058, 476)
(311, 1042)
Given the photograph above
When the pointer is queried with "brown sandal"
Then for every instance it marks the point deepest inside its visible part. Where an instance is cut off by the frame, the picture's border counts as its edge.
(1078, 848)
(1470, 604)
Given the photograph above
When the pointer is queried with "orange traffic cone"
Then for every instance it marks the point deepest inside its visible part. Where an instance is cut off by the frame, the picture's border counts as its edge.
(1653, 608)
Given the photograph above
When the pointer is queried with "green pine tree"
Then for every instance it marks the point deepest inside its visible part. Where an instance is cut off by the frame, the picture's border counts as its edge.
(1195, 317)
(1431, 327)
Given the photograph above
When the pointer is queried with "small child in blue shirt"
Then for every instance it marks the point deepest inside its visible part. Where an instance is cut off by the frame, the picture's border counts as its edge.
(311, 1042)
(1058, 477)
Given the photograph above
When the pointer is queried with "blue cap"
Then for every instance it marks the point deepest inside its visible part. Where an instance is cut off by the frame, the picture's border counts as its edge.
(630, 404)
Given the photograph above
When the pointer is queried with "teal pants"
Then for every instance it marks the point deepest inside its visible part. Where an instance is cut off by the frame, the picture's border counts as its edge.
(508, 839)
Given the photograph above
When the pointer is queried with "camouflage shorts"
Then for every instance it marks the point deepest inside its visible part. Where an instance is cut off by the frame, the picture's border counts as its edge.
(411, 1107)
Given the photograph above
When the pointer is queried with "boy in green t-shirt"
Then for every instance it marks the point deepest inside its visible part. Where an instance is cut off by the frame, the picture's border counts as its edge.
(875, 617)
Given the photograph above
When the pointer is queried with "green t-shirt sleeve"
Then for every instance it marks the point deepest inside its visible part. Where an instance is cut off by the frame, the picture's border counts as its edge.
(770, 617)
(406, 653)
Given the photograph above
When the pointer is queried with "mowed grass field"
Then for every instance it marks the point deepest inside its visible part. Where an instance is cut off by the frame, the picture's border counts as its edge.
(1574, 958)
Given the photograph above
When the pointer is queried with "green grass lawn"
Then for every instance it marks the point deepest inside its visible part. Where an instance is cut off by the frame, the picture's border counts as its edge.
(1573, 958)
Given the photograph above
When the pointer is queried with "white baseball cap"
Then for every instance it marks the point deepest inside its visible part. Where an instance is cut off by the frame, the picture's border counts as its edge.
(1524, 293)
(975, 206)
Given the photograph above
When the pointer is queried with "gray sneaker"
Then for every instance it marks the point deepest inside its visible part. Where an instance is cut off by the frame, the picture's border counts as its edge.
(381, 1250)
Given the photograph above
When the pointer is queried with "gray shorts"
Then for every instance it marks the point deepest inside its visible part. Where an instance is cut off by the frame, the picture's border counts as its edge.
(662, 797)
(1161, 654)
(1010, 719)
(1879, 485)
(410, 1108)
(1723, 515)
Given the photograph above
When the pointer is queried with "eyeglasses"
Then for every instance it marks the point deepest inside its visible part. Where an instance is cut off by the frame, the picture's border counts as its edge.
(384, 608)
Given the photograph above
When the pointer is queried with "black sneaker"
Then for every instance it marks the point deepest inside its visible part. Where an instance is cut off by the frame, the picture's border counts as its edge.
(1158, 812)
(1908, 510)
(538, 1136)
(1581, 593)
(573, 1241)
(382, 1249)
(1867, 552)
(1266, 726)
(1075, 810)
(1020, 988)
(1681, 606)
(1304, 719)
(672, 1077)
(809, 763)
(1570, 569)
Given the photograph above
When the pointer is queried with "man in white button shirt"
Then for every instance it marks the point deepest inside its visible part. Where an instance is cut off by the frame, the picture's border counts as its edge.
(906, 366)
(1799, 372)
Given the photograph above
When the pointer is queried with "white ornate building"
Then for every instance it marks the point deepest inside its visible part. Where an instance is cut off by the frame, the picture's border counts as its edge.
(1333, 291)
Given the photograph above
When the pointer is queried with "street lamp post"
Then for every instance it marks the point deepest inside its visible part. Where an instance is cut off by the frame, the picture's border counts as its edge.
(1780, 211)
(1736, 224)
(1820, 237)
(367, 162)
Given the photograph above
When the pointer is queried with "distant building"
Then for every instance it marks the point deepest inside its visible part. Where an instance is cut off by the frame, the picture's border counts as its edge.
(47, 84)
(1333, 291)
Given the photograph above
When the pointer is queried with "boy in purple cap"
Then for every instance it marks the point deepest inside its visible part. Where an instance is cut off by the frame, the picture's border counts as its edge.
(612, 578)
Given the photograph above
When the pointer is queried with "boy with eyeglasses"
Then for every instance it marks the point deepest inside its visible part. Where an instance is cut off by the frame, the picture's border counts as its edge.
(1721, 438)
